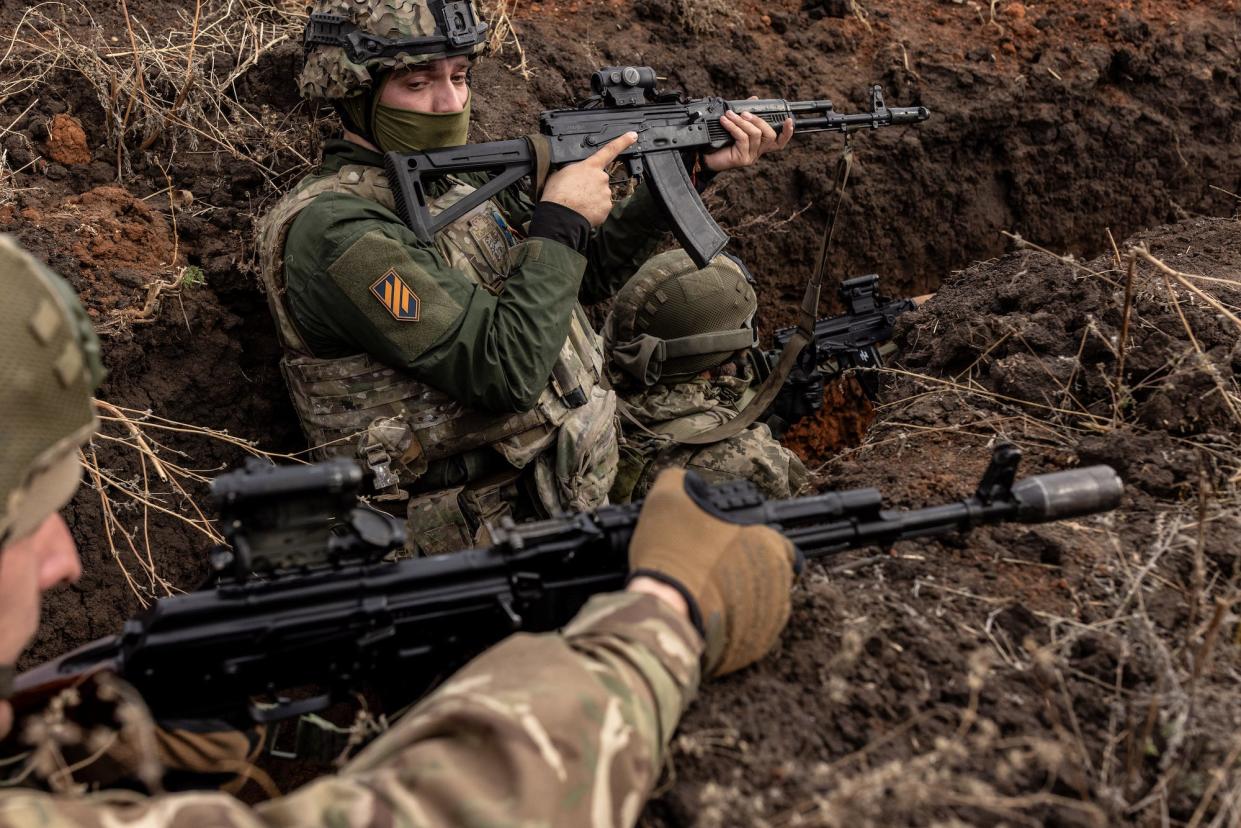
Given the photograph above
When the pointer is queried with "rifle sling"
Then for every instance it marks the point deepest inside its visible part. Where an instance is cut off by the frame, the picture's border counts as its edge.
(804, 335)
(541, 150)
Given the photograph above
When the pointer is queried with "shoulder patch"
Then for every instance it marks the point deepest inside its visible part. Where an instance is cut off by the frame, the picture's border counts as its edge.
(395, 295)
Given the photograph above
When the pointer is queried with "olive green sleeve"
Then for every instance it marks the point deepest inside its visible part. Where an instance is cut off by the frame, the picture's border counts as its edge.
(360, 282)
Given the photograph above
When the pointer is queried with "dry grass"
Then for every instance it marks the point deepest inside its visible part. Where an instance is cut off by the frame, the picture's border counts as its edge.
(163, 486)
(1167, 743)
(503, 38)
(169, 90)
(705, 16)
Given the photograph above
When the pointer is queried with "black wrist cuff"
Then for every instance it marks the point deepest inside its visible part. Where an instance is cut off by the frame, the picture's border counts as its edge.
(561, 224)
(695, 614)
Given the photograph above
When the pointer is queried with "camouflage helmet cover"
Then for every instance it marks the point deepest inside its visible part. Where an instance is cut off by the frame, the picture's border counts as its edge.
(671, 320)
(50, 366)
(350, 42)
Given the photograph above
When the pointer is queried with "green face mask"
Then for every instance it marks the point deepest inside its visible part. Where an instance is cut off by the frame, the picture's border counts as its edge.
(400, 130)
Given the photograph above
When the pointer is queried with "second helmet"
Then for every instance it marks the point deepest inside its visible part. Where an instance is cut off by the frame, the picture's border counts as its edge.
(672, 320)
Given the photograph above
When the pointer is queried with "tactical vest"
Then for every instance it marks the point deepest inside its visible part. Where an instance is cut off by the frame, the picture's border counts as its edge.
(339, 401)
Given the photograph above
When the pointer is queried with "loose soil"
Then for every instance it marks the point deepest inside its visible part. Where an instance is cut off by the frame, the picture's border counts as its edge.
(1072, 673)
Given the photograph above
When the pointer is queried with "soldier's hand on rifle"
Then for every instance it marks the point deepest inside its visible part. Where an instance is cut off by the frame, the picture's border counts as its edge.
(735, 578)
(583, 187)
(753, 137)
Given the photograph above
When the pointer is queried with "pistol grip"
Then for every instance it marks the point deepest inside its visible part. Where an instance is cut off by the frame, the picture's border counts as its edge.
(693, 226)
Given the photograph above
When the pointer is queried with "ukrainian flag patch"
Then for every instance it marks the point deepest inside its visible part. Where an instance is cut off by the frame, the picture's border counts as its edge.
(396, 296)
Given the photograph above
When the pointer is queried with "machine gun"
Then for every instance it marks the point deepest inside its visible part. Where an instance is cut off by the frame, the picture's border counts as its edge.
(276, 619)
(624, 100)
(852, 340)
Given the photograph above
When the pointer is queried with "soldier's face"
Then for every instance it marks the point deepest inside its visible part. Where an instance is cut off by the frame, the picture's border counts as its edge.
(440, 87)
(28, 567)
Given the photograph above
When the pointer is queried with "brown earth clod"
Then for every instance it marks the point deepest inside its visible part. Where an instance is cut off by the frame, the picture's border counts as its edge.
(66, 142)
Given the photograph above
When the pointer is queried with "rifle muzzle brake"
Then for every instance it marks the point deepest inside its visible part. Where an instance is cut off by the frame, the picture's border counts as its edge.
(1067, 494)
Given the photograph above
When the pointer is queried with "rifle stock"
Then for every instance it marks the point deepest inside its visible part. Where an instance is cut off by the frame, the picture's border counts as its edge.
(339, 624)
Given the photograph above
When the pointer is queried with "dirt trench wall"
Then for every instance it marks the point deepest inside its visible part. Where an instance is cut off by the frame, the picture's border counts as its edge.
(1054, 123)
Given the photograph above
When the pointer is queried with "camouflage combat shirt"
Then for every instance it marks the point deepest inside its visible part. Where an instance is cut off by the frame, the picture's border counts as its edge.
(654, 415)
(490, 351)
(562, 729)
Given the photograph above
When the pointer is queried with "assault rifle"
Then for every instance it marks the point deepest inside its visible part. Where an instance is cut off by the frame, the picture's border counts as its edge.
(306, 596)
(624, 100)
(852, 340)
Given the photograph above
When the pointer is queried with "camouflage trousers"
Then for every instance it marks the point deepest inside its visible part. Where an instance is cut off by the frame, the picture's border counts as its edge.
(562, 729)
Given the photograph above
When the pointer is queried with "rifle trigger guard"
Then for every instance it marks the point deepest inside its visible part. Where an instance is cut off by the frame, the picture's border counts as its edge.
(505, 603)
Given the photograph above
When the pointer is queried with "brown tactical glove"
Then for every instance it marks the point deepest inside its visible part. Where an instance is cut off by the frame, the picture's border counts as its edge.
(736, 578)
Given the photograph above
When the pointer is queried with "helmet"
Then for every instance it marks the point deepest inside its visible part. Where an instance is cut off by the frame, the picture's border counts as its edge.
(49, 367)
(350, 42)
(672, 321)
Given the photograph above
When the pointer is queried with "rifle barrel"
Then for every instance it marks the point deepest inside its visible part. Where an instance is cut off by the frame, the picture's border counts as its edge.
(1036, 499)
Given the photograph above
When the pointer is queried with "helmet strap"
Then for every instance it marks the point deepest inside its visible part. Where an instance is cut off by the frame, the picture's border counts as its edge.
(643, 357)
(8, 676)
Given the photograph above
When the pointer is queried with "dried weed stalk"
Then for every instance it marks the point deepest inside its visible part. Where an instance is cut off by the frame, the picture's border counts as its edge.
(503, 38)
(169, 87)
(159, 485)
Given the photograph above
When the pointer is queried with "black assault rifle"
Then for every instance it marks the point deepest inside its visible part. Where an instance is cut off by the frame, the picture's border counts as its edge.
(851, 340)
(625, 100)
(305, 597)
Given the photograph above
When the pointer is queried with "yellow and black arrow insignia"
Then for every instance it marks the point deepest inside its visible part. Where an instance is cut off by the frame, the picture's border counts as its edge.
(396, 296)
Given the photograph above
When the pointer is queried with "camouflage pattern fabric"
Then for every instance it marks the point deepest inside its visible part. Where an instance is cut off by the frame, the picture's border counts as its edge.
(654, 416)
(329, 73)
(541, 730)
(365, 274)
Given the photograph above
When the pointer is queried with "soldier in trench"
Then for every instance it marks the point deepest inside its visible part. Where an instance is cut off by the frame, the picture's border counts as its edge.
(464, 372)
(565, 728)
(680, 346)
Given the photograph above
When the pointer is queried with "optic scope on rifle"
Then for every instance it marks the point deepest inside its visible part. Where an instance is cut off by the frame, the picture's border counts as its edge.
(285, 517)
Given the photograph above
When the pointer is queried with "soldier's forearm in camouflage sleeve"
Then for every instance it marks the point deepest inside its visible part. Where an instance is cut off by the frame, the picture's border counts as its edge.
(551, 730)
(620, 246)
(548, 729)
